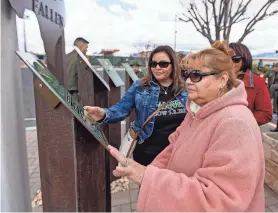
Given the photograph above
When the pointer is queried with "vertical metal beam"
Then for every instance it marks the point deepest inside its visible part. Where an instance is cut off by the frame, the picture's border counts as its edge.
(113, 131)
(93, 173)
(15, 187)
(56, 146)
(114, 134)
(99, 94)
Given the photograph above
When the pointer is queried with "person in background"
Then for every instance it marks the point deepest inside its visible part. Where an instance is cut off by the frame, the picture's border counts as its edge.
(215, 159)
(73, 64)
(260, 64)
(136, 70)
(258, 96)
(274, 93)
(162, 84)
(269, 76)
(180, 56)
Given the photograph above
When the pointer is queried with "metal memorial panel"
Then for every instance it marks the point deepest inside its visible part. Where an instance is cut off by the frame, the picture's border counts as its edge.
(84, 58)
(50, 81)
(112, 73)
(49, 97)
(130, 71)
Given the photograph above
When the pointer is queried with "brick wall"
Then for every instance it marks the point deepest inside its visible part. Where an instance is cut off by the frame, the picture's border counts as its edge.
(270, 143)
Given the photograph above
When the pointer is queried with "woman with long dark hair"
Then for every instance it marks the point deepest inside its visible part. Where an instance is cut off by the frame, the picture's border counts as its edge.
(162, 84)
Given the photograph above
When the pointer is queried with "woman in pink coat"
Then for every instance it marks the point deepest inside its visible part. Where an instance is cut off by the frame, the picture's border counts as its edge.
(215, 159)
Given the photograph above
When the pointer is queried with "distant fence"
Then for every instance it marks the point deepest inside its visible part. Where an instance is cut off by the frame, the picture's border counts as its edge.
(117, 60)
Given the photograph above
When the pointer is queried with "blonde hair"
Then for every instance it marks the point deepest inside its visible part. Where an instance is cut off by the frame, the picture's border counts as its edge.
(217, 58)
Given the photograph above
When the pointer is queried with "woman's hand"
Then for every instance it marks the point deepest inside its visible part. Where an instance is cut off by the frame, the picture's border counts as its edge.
(96, 113)
(129, 168)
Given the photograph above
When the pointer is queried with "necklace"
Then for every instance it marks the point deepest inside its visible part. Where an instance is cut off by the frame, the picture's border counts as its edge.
(165, 91)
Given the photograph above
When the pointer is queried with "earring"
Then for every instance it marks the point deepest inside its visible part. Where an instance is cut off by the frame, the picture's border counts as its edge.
(219, 91)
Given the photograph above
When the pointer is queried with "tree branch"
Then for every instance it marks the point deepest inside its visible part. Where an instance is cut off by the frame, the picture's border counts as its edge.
(205, 2)
(226, 32)
(261, 15)
(224, 17)
(223, 8)
(217, 29)
(241, 10)
(201, 24)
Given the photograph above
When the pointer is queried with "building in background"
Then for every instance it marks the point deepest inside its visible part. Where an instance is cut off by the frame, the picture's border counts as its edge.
(109, 52)
(267, 58)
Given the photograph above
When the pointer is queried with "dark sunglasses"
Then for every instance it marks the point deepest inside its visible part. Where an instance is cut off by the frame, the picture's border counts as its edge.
(196, 75)
(236, 58)
(162, 64)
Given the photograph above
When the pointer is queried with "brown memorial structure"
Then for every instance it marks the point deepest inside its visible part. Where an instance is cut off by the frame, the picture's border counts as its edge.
(74, 162)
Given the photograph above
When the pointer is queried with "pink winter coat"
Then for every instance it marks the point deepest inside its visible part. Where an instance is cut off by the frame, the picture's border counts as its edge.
(215, 162)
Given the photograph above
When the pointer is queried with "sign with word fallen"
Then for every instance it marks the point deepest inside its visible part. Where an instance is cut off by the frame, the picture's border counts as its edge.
(50, 81)
(51, 19)
(112, 73)
(130, 71)
(84, 58)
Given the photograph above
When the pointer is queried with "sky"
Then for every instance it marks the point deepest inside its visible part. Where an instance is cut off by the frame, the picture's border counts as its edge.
(124, 24)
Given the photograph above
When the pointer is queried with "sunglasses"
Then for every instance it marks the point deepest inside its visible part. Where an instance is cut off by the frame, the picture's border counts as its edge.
(161, 64)
(236, 58)
(196, 75)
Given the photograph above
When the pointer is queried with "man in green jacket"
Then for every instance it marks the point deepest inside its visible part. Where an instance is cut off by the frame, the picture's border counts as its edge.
(74, 64)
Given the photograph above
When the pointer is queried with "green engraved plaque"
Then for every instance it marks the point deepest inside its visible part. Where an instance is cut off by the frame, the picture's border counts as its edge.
(50, 81)
(91, 67)
(130, 72)
(112, 73)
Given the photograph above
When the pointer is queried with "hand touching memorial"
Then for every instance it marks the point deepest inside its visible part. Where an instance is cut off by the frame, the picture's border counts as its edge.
(129, 168)
(96, 113)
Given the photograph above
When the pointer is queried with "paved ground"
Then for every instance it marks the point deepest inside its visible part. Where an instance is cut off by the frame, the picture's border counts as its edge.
(122, 201)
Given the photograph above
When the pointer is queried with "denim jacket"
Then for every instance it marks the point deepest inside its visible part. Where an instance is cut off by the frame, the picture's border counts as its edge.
(144, 100)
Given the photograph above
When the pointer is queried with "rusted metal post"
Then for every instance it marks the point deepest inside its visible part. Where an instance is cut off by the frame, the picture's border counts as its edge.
(56, 147)
(114, 130)
(93, 169)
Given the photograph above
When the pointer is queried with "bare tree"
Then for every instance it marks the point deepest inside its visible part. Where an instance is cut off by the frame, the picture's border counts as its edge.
(224, 15)
(144, 48)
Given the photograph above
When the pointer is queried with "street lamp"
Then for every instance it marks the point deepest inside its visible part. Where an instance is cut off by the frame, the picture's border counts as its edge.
(175, 44)
(24, 32)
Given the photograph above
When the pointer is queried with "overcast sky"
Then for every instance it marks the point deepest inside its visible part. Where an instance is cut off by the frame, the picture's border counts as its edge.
(122, 23)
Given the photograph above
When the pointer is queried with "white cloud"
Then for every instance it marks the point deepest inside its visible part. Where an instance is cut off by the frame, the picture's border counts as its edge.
(115, 8)
(115, 27)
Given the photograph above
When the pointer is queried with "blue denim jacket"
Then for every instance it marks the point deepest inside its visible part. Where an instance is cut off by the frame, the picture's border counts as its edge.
(144, 100)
